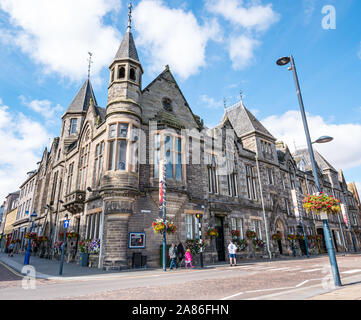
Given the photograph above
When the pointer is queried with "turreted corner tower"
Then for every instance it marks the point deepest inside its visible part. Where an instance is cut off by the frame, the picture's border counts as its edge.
(120, 183)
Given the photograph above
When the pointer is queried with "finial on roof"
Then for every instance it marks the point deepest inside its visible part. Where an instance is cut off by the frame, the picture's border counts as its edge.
(90, 63)
(241, 96)
(130, 7)
(225, 103)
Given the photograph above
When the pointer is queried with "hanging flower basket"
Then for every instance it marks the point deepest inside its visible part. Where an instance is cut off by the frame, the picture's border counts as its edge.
(212, 232)
(320, 203)
(277, 236)
(291, 237)
(258, 244)
(241, 244)
(251, 234)
(171, 228)
(159, 226)
(31, 235)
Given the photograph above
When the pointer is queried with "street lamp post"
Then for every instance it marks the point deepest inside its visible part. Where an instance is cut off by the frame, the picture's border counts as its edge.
(27, 255)
(66, 225)
(326, 228)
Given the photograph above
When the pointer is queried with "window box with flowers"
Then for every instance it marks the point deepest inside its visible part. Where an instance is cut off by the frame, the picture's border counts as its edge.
(195, 246)
(258, 244)
(251, 234)
(84, 252)
(94, 249)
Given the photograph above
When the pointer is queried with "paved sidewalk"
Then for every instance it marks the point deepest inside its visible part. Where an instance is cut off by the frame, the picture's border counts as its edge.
(49, 269)
(350, 291)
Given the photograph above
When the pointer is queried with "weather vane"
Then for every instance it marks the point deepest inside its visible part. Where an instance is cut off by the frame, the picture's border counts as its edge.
(90, 63)
(130, 7)
(225, 103)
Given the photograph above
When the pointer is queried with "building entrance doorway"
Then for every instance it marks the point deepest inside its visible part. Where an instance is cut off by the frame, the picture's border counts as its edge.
(219, 222)
(280, 229)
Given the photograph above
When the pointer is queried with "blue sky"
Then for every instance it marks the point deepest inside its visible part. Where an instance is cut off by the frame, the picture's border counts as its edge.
(215, 48)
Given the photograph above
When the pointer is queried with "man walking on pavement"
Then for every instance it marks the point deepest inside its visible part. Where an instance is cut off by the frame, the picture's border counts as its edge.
(173, 256)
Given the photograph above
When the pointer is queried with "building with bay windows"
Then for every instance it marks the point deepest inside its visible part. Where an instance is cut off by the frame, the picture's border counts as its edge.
(103, 172)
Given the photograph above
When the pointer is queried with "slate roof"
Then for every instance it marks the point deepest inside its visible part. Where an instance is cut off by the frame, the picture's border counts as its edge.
(244, 122)
(81, 101)
(127, 48)
(322, 163)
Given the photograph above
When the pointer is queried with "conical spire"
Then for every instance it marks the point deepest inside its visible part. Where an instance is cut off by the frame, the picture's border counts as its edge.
(81, 101)
(127, 48)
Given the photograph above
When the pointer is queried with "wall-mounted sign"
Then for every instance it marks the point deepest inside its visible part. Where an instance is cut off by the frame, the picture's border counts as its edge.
(146, 211)
(136, 240)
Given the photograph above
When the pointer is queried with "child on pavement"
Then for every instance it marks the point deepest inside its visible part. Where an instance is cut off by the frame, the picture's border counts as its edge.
(188, 258)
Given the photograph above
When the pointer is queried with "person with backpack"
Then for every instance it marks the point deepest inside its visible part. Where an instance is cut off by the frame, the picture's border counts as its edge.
(11, 249)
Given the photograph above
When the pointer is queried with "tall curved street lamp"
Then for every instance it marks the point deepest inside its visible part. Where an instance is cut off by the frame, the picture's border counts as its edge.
(32, 218)
(326, 228)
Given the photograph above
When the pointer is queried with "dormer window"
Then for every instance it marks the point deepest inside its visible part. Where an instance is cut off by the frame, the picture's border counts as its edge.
(121, 73)
(132, 74)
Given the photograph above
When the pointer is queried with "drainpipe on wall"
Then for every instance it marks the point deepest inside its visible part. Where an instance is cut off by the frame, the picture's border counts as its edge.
(263, 209)
(101, 228)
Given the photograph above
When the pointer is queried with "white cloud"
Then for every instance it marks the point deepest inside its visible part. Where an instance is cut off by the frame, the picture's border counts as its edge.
(43, 107)
(241, 51)
(343, 152)
(58, 34)
(172, 37)
(250, 20)
(210, 103)
(259, 17)
(22, 141)
(308, 8)
(358, 186)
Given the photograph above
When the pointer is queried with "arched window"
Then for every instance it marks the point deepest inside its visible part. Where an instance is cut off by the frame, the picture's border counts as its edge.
(132, 74)
(121, 72)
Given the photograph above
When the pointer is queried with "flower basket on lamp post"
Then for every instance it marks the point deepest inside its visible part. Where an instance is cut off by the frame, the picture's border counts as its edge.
(321, 204)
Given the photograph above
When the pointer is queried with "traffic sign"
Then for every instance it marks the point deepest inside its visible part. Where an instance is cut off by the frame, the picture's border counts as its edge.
(66, 224)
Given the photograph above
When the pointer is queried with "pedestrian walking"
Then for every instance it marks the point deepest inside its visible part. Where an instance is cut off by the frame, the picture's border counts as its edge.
(11, 249)
(180, 253)
(173, 256)
(232, 253)
(188, 259)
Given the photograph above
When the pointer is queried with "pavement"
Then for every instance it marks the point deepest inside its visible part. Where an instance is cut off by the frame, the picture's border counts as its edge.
(287, 278)
(351, 291)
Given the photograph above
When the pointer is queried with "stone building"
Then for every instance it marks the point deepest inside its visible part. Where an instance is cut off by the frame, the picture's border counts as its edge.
(10, 206)
(103, 172)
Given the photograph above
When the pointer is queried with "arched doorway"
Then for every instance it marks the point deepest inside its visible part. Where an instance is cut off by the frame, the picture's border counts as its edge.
(280, 229)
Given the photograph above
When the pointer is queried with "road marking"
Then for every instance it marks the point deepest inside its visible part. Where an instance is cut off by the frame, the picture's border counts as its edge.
(279, 269)
(352, 271)
(232, 296)
(302, 283)
(312, 270)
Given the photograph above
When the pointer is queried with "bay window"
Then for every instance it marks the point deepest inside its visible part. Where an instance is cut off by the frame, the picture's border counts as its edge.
(123, 147)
